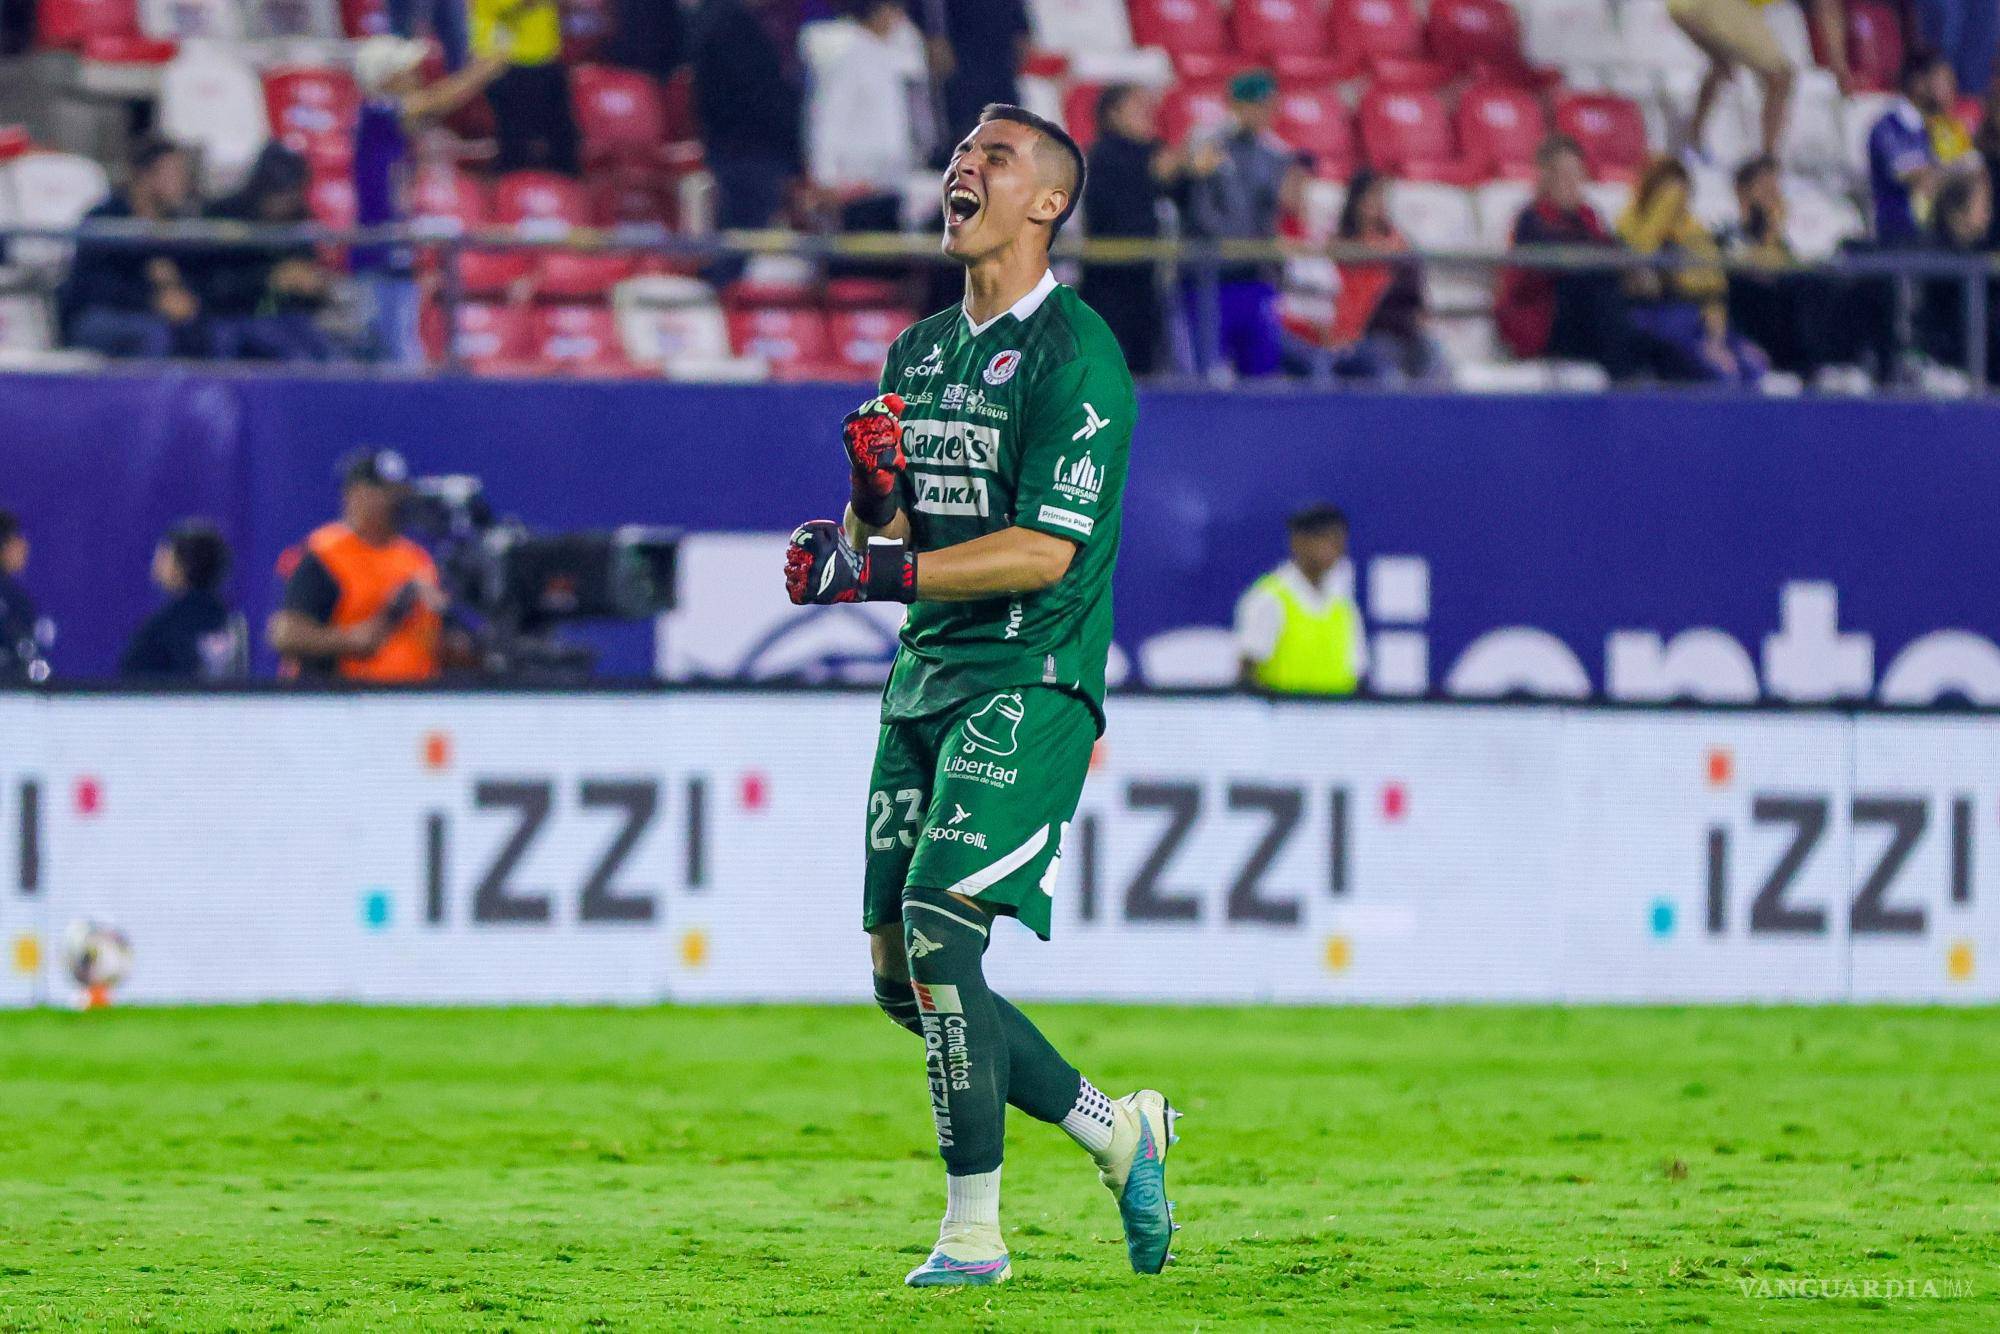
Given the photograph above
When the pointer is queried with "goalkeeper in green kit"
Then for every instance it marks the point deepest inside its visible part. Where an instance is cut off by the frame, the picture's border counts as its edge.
(988, 481)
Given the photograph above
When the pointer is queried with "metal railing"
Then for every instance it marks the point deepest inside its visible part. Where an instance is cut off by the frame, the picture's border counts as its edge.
(1178, 264)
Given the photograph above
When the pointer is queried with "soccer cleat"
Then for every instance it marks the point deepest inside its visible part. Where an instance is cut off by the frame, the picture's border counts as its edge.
(965, 1257)
(1135, 1171)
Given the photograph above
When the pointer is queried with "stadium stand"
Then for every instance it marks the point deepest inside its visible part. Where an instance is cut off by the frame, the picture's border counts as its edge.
(1449, 97)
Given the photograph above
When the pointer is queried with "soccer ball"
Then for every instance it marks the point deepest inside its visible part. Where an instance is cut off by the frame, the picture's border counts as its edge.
(98, 955)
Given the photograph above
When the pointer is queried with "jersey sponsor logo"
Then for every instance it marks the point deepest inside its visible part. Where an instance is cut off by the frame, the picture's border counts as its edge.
(1092, 424)
(932, 364)
(959, 815)
(1001, 369)
(1080, 524)
(954, 396)
(980, 771)
(1081, 480)
(937, 998)
(949, 495)
(922, 946)
(928, 440)
(971, 838)
(994, 728)
(977, 404)
(1014, 613)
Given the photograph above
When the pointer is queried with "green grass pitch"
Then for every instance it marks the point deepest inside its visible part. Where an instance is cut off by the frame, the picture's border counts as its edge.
(334, 1168)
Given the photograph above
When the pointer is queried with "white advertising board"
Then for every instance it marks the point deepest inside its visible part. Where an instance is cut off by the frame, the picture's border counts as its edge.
(707, 846)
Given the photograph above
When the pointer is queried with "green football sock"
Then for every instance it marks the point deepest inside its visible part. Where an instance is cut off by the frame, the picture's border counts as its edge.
(965, 1049)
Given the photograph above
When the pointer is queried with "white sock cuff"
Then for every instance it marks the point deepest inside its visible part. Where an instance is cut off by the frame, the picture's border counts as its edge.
(974, 1198)
(1090, 1122)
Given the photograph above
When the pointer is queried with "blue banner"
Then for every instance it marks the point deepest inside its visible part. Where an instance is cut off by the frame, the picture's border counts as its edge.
(1640, 546)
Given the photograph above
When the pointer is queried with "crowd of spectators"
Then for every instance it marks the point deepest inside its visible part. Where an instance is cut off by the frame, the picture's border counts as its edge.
(819, 114)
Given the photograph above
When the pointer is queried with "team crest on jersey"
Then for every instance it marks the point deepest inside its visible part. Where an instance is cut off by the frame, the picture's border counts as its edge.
(954, 396)
(1001, 369)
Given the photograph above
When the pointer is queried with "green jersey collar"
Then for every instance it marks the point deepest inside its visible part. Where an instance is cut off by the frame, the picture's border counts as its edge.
(1020, 310)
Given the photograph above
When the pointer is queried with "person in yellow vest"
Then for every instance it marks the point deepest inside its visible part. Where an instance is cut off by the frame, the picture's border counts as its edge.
(1298, 628)
(531, 106)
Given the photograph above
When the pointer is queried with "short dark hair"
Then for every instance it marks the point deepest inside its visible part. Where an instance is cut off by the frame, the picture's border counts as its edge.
(1754, 168)
(1318, 517)
(1349, 226)
(149, 149)
(10, 526)
(1056, 135)
(201, 551)
(1918, 61)
(1555, 146)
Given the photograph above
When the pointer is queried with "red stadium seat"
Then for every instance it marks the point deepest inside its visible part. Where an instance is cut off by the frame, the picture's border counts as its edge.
(71, 24)
(1187, 29)
(582, 340)
(619, 114)
(1419, 72)
(1874, 45)
(543, 205)
(861, 337)
(1610, 129)
(1405, 132)
(1267, 29)
(446, 200)
(1499, 127)
(1192, 106)
(622, 196)
(1318, 124)
(1364, 31)
(795, 340)
(492, 337)
(1482, 36)
(313, 111)
(364, 18)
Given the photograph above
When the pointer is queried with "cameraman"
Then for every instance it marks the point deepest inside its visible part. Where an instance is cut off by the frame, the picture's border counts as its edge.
(362, 602)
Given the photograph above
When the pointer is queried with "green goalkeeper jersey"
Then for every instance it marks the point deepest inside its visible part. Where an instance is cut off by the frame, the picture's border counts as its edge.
(1024, 421)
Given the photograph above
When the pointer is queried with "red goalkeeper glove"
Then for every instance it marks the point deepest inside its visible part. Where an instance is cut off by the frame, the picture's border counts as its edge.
(873, 434)
(822, 567)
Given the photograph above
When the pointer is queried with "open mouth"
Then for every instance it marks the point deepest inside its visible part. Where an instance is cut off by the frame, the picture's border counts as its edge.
(959, 205)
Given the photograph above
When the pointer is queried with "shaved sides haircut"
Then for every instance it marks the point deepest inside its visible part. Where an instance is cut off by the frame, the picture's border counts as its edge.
(1055, 145)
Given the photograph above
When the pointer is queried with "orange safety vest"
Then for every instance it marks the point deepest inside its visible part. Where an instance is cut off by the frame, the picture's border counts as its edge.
(368, 577)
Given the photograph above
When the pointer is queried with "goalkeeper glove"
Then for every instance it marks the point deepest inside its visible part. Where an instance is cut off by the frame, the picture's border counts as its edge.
(874, 439)
(822, 567)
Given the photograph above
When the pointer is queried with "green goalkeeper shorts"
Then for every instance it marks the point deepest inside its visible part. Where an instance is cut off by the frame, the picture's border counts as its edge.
(975, 801)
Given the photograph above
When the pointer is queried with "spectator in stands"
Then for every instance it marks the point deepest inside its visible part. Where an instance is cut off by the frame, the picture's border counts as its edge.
(747, 89)
(1913, 147)
(24, 633)
(444, 19)
(1987, 142)
(1298, 629)
(362, 602)
(977, 48)
(1240, 182)
(262, 304)
(1963, 218)
(1681, 313)
(869, 124)
(651, 36)
(1735, 32)
(1378, 333)
(194, 636)
(396, 101)
(1964, 32)
(138, 300)
(531, 101)
(1571, 316)
(1130, 173)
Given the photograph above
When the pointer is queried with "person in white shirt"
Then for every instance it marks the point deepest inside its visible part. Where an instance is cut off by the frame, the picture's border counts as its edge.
(868, 121)
(1298, 628)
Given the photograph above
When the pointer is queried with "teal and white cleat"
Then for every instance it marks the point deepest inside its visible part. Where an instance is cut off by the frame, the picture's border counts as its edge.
(1136, 1172)
(964, 1258)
